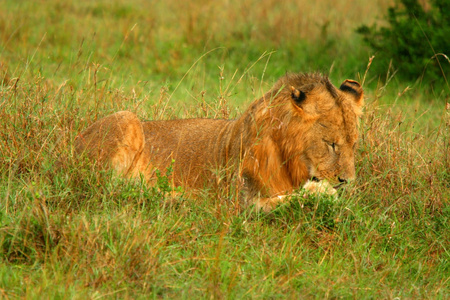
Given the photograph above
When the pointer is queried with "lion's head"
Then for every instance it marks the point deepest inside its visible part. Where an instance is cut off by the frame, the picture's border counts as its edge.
(315, 125)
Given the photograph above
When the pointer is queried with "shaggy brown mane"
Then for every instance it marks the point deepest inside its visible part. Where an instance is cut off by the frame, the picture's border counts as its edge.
(305, 82)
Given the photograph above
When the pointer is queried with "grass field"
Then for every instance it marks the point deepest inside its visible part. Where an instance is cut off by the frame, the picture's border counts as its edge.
(70, 231)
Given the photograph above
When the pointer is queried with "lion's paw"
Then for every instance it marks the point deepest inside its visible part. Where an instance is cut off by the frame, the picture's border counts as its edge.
(320, 188)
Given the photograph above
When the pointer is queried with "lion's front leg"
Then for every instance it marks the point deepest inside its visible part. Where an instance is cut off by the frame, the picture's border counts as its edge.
(265, 195)
(267, 180)
(268, 204)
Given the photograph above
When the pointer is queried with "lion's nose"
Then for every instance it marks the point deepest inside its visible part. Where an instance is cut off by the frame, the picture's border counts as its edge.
(346, 179)
(342, 180)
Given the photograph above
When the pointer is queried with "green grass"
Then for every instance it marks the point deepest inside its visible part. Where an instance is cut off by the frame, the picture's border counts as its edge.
(68, 230)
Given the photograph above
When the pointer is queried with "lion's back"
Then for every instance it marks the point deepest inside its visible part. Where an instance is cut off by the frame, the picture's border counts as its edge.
(193, 145)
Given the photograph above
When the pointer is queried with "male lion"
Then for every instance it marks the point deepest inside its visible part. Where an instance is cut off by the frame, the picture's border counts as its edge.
(303, 128)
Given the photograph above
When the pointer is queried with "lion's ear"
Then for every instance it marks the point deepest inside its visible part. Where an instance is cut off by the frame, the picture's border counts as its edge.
(297, 96)
(353, 87)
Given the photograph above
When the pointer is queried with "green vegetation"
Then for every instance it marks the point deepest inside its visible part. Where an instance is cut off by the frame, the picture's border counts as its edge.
(68, 230)
(415, 41)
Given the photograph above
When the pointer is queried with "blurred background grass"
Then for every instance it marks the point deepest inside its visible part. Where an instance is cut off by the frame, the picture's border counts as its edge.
(158, 41)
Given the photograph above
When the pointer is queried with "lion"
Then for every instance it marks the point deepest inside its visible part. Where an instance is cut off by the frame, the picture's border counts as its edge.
(302, 131)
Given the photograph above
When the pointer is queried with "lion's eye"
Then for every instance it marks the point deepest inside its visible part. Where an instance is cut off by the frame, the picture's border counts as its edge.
(331, 145)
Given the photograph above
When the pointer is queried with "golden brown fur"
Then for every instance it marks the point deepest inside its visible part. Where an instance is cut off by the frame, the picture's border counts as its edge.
(303, 128)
